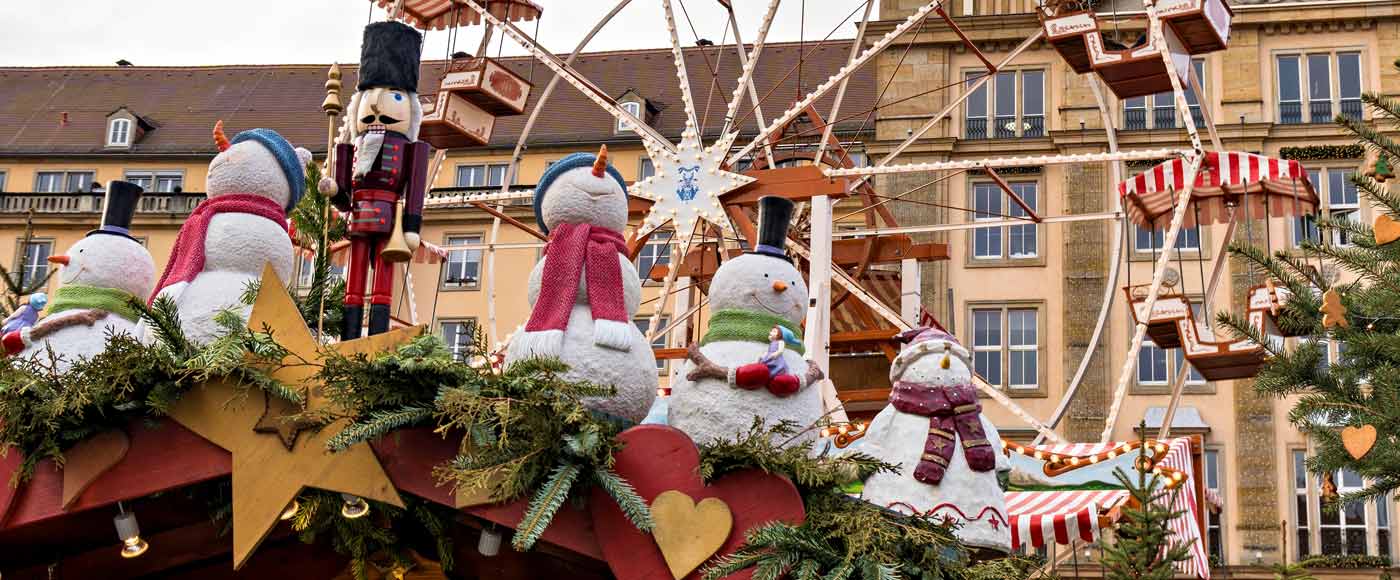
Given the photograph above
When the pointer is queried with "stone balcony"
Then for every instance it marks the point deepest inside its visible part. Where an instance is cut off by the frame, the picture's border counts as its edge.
(91, 203)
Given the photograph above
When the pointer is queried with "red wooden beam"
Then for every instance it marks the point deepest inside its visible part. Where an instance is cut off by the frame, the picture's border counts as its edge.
(991, 68)
(1035, 217)
(510, 220)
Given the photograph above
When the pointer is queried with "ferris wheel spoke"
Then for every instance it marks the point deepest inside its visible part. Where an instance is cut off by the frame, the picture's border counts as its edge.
(650, 137)
(830, 83)
(749, 62)
(841, 91)
(682, 75)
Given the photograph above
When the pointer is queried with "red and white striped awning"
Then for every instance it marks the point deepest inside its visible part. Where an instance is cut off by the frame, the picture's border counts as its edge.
(440, 14)
(1272, 187)
(1061, 517)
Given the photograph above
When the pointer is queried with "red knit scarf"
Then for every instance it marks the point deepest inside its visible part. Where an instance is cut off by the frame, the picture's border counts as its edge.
(576, 250)
(187, 260)
(951, 410)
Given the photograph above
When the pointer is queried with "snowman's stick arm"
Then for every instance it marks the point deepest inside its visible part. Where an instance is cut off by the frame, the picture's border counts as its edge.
(704, 367)
(814, 373)
(88, 318)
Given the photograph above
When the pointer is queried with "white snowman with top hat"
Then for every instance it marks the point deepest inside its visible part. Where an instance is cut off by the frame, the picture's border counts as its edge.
(585, 291)
(223, 246)
(949, 454)
(101, 276)
(750, 361)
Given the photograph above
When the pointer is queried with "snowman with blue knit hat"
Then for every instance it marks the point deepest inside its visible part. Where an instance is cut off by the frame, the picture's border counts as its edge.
(585, 291)
(223, 246)
(750, 362)
(101, 276)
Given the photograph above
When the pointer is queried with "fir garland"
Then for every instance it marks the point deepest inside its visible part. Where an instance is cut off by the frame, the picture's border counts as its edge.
(1315, 152)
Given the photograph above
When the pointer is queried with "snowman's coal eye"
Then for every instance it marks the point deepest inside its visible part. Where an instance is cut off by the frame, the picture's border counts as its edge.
(765, 274)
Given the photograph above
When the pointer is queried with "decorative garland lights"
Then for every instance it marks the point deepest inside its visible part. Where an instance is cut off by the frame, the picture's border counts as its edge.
(1058, 464)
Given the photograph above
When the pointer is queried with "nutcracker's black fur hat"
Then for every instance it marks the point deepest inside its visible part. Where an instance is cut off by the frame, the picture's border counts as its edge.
(389, 56)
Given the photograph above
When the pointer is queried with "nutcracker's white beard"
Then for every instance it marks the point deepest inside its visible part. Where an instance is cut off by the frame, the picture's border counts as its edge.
(367, 148)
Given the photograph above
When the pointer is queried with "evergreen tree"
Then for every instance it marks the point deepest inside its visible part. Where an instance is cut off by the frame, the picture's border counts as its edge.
(1363, 387)
(1144, 548)
(312, 216)
(15, 288)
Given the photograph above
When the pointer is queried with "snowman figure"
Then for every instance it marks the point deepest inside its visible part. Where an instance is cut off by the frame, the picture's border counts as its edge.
(101, 275)
(581, 311)
(750, 361)
(949, 454)
(223, 246)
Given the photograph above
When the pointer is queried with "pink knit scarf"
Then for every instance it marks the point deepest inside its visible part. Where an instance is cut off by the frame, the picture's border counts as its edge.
(575, 251)
(187, 260)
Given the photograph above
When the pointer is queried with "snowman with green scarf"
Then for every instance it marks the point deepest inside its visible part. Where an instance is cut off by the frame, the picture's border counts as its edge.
(102, 276)
(750, 362)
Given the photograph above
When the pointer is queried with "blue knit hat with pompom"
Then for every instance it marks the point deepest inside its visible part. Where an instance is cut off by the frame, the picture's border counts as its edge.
(571, 161)
(286, 156)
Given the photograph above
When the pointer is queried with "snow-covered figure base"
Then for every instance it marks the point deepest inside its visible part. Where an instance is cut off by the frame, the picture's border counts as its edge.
(581, 312)
(949, 454)
(242, 227)
(101, 275)
(727, 381)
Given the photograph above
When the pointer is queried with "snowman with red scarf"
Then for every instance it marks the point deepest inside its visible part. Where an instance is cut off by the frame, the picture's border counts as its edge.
(949, 454)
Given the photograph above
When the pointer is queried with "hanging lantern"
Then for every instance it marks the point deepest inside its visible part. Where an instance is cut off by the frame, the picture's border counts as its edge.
(354, 506)
(130, 533)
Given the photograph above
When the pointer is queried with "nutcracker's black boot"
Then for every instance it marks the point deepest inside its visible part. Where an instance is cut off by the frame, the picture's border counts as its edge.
(350, 325)
(378, 318)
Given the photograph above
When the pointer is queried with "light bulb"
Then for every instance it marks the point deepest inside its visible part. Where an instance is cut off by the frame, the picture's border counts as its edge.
(490, 542)
(129, 531)
(291, 510)
(354, 506)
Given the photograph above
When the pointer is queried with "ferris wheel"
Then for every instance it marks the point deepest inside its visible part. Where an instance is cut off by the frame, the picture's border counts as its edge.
(1193, 185)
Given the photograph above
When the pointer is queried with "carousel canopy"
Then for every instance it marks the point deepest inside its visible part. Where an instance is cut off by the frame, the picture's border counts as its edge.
(1262, 185)
(440, 14)
(1039, 518)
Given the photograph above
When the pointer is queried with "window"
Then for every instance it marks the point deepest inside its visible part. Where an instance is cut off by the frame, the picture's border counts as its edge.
(657, 251)
(1311, 86)
(1342, 203)
(1002, 110)
(34, 262)
(306, 271)
(119, 133)
(1006, 346)
(462, 270)
(460, 336)
(157, 181)
(1163, 106)
(648, 169)
(1215, 538)
(660, 341)
(1017, 242)
(1356, 528)
(481, 175)
(1151, 241)
(2, 181)
(1157, 367)
(632, 107)
(63, 181)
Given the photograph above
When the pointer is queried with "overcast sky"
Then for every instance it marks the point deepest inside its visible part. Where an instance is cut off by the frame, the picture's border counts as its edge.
(210, 32)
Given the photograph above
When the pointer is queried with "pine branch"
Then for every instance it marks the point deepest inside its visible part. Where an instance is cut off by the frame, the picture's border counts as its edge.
(632, 505)
(378, 424)
(544, 505)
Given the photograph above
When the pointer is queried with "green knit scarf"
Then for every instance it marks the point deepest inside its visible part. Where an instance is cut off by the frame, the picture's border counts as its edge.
(747, 326)
(73, 296)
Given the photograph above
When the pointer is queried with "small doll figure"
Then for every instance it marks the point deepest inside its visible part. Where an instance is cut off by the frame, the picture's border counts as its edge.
(27, 314)
(778, 339)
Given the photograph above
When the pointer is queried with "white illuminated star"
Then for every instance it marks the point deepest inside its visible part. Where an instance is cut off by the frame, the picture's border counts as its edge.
(687, 186)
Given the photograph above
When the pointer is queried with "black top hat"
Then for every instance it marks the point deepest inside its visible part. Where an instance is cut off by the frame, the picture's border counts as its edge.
(389, 56)
(119, 208)
(774, 215)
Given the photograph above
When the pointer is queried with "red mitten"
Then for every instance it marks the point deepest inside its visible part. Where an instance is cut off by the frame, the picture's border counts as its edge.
(13, 342)
(751, 376)
(784, 385)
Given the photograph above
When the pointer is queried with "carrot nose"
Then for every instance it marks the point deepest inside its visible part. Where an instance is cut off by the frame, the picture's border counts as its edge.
(62, 260)
(779, 286)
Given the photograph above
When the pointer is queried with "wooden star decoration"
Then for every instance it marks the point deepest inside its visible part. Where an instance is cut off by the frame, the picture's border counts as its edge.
(267, 472)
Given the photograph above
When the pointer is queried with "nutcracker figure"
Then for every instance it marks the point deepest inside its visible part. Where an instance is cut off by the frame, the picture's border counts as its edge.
(381, 175)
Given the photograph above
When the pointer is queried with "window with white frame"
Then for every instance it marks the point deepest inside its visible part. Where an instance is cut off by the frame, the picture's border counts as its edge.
(632, 107)
(481, 175)
(1354, 528)
(1157, 367)
(1159, 111)
(119, 133)
(1006, 346)
(1342, 202)
(462, 270)
(2, 180)
(990, 203)
(1311, 86)
(63, 181)
(34, 261)
(1010, 105)
(1215, 531)
(660, 341)
(157, 181)
(1150, 241)
(648, 168)
(460, 336)
(657, 251)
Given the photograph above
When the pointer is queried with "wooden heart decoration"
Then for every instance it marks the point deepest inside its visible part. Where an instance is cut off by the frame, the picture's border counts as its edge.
(1387, 229)
(689, 533)
(656, 459)
(89, 459)
(1359, 440)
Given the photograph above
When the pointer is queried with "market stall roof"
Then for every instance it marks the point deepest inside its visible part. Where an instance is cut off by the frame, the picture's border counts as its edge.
(1061, 517)
(1271, 187)
(440, 14)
